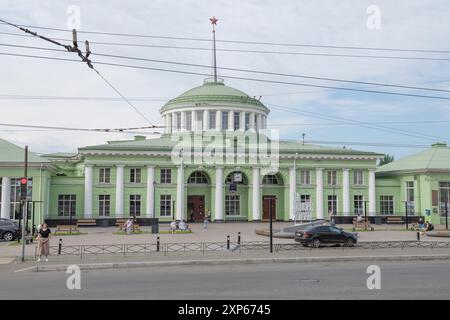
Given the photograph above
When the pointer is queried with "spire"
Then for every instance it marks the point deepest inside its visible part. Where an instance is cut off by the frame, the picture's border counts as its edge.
(213, 23)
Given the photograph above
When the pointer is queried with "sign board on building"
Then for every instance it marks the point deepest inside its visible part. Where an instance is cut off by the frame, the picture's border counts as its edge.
(237, 177)
(233, 187)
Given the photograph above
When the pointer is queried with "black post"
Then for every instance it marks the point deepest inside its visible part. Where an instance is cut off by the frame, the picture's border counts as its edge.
(418, 236)
(173, 209)
(446, 215)
(59, 246)
(228, 242)
(20, 221)
(239, 238)
(157, 244)
(365, 210)
(406, 214)
(271, 230)
(32, 222)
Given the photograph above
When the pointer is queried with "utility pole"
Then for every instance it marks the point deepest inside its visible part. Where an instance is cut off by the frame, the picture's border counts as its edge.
(23, 200)
(446, 215)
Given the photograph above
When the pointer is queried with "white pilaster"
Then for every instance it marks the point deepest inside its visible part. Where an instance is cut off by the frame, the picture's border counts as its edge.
(219, 194)
(256, 195)
(372, 194)
(242, 121)
(150, 192)
(258, 121)
(120, 174)
(6, 197)
(319, 193)
(193, 121)
(180, 193)
(183, 121)
(252, 121)
(218, 120)
(230, 120)
(88, 185)
(292, 191)
(205, 120)
(346, 191)
(174, 121)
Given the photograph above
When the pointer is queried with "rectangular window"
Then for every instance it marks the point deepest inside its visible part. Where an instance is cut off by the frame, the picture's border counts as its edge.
(410, 197)
(166, 175)
(237, 118)
(305, 203)
(135, 175)
(104, 175)
(332, 204)
(232, 205)
(358, 177)
(178, 118)
(444, 196)
(305, 177)
(332, 177)
(135, 205)
(358, 204)
(165, 204)
(104, 208)
(224, 120)
(67, 205)
(188, 121)
(387, 205)
(247, 121)
(212, 119)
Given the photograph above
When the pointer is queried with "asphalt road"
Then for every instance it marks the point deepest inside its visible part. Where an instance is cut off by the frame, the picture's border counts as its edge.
(399, 280)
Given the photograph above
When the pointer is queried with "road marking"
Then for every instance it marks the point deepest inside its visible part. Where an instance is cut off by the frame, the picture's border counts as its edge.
(26, 269)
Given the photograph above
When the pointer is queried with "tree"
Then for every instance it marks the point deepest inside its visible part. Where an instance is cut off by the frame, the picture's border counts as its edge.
(386, 159)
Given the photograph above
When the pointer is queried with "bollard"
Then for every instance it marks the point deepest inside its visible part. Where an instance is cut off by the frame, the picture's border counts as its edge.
(59, 246)
(418, 236)
(239, 238)
(157, 244)
(228, 242)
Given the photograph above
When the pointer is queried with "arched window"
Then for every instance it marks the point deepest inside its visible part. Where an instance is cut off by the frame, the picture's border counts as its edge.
(236, 177)
(271, 179)
(198, 177)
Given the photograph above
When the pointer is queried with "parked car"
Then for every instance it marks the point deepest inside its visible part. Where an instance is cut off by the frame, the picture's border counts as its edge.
(318, 235)
(9, 229)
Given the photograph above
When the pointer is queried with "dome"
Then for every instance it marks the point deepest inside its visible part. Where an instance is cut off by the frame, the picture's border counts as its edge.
(213, 92)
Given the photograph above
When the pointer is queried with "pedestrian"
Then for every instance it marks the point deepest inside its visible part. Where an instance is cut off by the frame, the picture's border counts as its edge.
(43, 238)
(129, 226)
(331, 215)
(173, 227)
(192, 216)
(205, 222)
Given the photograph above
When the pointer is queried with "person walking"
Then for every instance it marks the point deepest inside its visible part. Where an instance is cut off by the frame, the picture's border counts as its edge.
(129, 226)
(43, 238)
(205, 221)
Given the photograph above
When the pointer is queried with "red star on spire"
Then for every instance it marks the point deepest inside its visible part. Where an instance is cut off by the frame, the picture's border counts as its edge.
(213, 20)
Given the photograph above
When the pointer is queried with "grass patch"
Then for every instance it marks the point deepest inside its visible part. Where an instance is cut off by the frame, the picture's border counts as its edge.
(122, 233)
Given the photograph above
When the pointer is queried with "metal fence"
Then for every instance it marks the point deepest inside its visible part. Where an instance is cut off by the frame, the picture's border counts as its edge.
(228, 246)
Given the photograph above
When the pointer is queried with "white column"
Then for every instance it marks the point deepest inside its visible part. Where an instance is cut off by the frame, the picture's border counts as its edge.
(150, 192)
(230, 120)
(218, 120)
(258, 121)
(119, 190)
(205, 120)
(242, 121)
(346, 191)
(193, 121)
(174, 121)
(256, 195)
(180, 193)
(319, 193)
(169, 123)
(6, 197)
(372, 194)
(292, 191)
(252, 121)
(219, 194)
(183, 121)
(88, 185)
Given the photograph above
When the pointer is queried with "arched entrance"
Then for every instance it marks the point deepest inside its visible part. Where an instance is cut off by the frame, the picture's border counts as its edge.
(198, 183)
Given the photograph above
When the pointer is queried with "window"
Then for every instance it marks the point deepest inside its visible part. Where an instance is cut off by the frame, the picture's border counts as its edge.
(212, 119)
(358, 204)
(178, 119)
(199, 115)
(358, 177)
(247, 121)
(15, 204)
(236, 120)
(166, 175)
(410, 197)
(270, 179)
(135, 175)
(305, 204)
(165, 204)
(198, 177)
(104, 175)
(188, 121)
(332, 204)
(224, 120)
(232, 205)
(444, 196)
(135, 205)
(104, 201)
(305, 177)
(387, 205)
(67, 205)
(332, 177)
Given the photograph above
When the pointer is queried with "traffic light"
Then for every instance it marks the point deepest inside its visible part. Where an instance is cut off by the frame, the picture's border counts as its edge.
(23, 188)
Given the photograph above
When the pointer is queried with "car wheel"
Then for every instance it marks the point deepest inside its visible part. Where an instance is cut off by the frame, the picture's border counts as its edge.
(8, 236)
(316, 243)
(349, 242)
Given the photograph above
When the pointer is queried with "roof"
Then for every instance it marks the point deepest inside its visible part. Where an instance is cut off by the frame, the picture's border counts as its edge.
(436, 158)
(11, 153)
(213, 92)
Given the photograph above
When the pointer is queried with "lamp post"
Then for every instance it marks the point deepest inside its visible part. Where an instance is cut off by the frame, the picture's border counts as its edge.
(406, 213)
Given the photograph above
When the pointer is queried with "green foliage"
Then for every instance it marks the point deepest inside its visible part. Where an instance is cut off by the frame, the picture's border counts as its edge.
(386, 159)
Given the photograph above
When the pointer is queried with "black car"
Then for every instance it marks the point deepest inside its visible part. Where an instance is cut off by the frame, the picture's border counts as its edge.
(318, 235)
(9, 229)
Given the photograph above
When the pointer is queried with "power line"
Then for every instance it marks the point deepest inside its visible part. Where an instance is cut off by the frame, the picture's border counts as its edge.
(245, 42)
(344, 124)
(243, 70)
(258, 51)
(77, 98)
(118, 130)
(237, 78)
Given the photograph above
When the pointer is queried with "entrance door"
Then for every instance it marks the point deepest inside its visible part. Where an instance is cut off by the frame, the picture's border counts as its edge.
(196, 208)
(269, 206)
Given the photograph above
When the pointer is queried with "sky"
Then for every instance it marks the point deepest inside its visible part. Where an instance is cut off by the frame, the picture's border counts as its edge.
(400, 24)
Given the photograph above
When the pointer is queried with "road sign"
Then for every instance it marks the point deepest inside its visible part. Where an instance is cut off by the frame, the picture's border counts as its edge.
(233, 187)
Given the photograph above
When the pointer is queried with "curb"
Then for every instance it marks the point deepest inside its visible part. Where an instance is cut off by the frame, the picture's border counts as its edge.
(119, 265)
